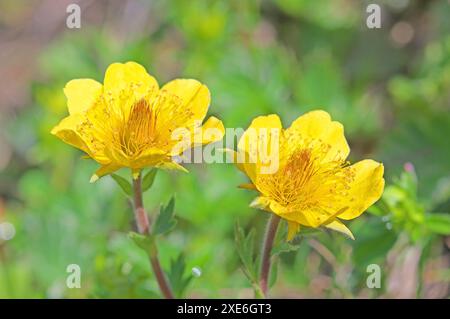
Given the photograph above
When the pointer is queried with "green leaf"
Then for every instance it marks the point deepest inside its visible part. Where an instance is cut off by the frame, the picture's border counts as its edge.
(123, 183)
(148, 179)
(145, 242)
(373, 244)
(438, 223)
(245, 245)
(284, 247)
(310, 232)
(273, 272)
(165, 221)
(178, 280)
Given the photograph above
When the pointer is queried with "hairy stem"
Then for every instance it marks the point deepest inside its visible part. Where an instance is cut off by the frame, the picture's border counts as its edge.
(143, 226)
(269, 237)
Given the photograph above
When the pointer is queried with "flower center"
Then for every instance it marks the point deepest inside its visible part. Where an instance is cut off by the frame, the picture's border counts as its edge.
(306, 181)
(137, 133)
(149, 123)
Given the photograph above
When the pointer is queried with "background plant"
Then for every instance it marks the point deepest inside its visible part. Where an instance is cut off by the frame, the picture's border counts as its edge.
(257, 57)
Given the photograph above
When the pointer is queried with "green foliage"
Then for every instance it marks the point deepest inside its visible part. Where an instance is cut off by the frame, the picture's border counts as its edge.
(251, 260)
(145, 242)
(431, 81)
(123, 184)
(438, 223)
(256, 57)
(373, 244)
(401, 208)
(273, 272)
(165, 221)
(149, 179)
(283, 247)
(245, 246)
(178, 278)
(321, 13)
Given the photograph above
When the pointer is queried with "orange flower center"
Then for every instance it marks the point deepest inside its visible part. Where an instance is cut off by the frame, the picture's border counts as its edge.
(306, 181)
(137, 133)
(149, 123)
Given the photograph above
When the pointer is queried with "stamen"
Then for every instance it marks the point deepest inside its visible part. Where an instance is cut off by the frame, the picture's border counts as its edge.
(306, 181)
(148, 123)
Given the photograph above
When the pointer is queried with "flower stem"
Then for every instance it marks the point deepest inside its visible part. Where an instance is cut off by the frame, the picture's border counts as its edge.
(269, 237)
(143, 226)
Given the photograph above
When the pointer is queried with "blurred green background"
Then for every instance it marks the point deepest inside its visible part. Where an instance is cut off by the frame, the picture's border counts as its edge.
(390, 87)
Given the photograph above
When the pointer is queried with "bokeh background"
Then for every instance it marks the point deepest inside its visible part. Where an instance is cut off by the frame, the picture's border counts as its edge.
(388, 86)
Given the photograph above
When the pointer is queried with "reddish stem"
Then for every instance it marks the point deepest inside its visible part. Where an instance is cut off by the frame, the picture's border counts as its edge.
(269, 237)
(143, 226)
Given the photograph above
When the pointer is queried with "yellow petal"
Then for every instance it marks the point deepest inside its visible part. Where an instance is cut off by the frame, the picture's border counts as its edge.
(149, 158)
(66, 130)
(310, 218)
(340, 227)
(127, 83)
(293, 229)
(172, 166)
(307, 218)
(104, 170)
(366, 188)
(259, 123)
(261, 202)
(259, 145)
(81, 94)
(317, 125)
(193, 96)
(212, 131)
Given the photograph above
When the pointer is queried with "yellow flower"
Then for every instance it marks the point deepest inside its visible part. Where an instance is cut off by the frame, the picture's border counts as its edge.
(130, 122)
(313, 184)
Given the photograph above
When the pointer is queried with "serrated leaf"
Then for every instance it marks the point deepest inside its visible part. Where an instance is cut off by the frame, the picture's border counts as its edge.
(148, 180)
(178, 280)
(165, 221)
(124, 184)
(245, 248)
(438, 223)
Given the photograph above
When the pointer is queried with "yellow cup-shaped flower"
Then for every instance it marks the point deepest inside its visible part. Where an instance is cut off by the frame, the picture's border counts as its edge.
(130, 122)
(302, 175)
